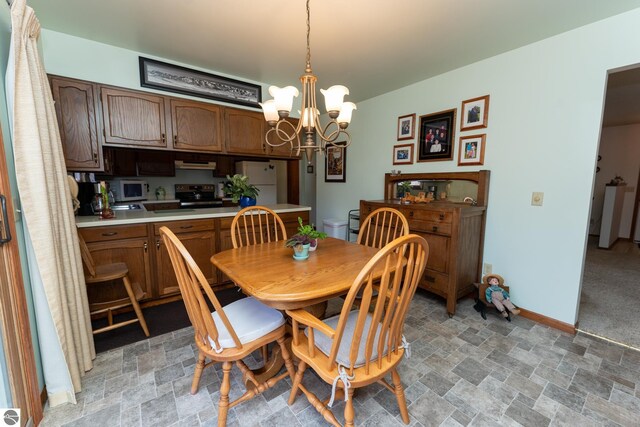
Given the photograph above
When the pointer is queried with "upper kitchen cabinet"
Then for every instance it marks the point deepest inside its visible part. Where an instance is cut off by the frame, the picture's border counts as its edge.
(196, 126)
(76, 104)
(284, 150)
(134, 119)
(245, 132)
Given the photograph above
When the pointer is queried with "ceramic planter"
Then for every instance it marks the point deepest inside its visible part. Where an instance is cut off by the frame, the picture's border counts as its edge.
(301, 252)
(247, 201)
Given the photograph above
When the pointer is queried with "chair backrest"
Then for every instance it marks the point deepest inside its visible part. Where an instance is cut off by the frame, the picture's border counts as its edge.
(399, 266)
(87, 259)
(256, 224)
(381, 227)
(191, 280)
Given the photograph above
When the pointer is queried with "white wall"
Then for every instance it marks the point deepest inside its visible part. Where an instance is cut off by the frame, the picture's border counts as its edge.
(620, 151)
(543, 130)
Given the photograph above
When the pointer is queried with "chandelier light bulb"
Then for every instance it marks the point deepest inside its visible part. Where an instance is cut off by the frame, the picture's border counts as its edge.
(334, 96)
(270, 111)
(346, 112)
(307, 119)
(283, 97)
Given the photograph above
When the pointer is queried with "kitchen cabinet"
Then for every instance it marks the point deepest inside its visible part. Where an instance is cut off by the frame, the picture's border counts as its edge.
(454, 231)
(134, 119)
(198, 236)
(125, 243)
(76, 104)
(197, 126)
(244, 132)
(155, 163)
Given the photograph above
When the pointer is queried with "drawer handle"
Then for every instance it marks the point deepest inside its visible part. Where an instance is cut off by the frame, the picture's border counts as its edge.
(441, 217)
(429, 278)
(435, 228)
(146, 246)
(164, 139)
(109, 234)
(186, 227)
(411, 214)
(158, 244)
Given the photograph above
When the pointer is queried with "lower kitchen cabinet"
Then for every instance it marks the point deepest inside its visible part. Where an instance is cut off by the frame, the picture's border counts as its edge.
(198, 237)
(128, 244)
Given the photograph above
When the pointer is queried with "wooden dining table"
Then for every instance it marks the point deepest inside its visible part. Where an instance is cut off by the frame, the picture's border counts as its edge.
(269, 273)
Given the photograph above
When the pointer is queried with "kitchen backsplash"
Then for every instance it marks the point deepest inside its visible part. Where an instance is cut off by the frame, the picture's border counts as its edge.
(182, 177)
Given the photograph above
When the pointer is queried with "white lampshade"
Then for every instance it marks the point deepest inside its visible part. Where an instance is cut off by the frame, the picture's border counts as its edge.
(307, 119)
(283, 97)
(334, 96)
(345, 112)
(270, 111)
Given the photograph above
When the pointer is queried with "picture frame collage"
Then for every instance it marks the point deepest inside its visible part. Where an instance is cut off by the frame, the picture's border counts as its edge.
(436, 135)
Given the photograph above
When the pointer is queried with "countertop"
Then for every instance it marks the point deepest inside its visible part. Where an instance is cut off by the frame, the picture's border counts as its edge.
(137, 217)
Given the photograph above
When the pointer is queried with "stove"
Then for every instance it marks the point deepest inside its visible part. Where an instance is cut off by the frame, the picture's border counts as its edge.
(197, 196)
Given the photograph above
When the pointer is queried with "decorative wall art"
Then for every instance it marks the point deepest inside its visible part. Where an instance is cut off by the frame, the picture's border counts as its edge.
(335, 164)
(436, 136)
(406, 126)
(471, 150)
(403, 154)
(474, 113)
(174, 78)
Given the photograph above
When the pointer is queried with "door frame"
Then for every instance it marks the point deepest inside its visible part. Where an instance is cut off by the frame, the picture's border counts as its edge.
(14, 316)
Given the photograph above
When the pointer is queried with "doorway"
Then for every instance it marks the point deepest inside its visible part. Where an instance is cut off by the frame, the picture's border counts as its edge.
(609, 297)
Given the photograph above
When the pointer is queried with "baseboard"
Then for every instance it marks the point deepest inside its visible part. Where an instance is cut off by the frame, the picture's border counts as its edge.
(44, 396)
(548, 321)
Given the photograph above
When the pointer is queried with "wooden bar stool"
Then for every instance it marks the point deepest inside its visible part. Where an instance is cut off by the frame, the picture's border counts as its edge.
(106, 273)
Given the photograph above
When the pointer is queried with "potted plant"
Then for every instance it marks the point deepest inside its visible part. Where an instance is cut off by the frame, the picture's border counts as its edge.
(310, 231)
(300, 244)
(239, 189)
(404, 187)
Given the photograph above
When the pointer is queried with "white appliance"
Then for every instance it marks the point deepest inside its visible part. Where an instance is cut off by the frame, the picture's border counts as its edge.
(131, 190)
(264, 176)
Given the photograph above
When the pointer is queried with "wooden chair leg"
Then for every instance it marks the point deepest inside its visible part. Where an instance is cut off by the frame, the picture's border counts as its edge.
(265, 354)
(136, 306)
(288, 363)
(349, 413)
(223, 405)
(399, 391)
(198, 373)
(296, 381)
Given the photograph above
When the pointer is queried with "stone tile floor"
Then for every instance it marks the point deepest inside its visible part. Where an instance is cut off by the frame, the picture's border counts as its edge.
(463, 371)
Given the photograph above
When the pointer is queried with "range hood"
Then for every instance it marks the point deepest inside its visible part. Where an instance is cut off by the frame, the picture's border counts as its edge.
(180, 164)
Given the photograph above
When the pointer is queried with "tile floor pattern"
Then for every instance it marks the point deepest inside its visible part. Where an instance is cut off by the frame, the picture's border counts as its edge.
(463, 371)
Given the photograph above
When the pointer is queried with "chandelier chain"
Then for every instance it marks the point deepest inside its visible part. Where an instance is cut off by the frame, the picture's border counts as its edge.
(308, 37)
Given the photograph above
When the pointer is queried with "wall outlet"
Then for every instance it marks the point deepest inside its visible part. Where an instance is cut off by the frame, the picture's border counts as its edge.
(536, 198)
(488, 268)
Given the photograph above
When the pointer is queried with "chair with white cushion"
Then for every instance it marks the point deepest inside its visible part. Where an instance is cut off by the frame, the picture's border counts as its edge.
(228, 334)
(359, 347)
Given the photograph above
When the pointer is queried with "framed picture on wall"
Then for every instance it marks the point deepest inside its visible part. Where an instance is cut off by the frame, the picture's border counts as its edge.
(471, 150)
(435, 140)
(335, 163)
(403, 154)
(474, 113)
(406, 126)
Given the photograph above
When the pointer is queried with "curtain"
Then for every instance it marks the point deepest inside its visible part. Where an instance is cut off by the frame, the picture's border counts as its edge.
(60, 296)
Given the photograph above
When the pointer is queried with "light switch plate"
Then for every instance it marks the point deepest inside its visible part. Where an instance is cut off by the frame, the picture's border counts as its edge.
(537, 198)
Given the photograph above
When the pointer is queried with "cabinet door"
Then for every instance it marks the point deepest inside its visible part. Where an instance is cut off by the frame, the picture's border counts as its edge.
(155, 163)
(201, 246)
(245, 131)
(284, 150)
(133, 118)
(134, 253)
(76, 110)
(196, 126)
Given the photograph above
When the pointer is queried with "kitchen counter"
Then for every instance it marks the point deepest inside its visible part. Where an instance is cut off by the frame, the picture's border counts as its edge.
(137, 217)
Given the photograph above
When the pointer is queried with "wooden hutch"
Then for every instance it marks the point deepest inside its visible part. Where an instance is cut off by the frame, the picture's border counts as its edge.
(453, 228)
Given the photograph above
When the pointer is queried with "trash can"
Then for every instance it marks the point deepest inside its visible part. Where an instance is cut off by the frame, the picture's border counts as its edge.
(335, 228)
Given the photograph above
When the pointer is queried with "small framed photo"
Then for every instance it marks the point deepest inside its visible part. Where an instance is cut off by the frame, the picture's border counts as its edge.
(436, 136)
(406, 126)
(335, 163)
(474, 113)
(471, 151)
(403, 154)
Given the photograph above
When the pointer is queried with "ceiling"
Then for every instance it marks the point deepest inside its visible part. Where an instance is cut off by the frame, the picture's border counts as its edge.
(370, 46)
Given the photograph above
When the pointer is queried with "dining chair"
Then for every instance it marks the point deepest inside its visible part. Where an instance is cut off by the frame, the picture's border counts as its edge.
(256, 224)
(229, 333)
(96, 274)
(381, 227)
(359, 347)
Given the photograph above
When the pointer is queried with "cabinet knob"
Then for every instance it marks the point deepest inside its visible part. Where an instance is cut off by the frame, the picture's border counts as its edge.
(146, 246)
(175, 139)
(158, 244)
(441, 216)
(435, 228)
(411, 214)
(95, 157)
(164, 138)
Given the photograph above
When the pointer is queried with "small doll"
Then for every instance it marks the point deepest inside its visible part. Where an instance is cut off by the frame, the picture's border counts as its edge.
(498, 296)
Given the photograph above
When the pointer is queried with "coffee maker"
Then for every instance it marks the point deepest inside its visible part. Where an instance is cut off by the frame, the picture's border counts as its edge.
(86, 194)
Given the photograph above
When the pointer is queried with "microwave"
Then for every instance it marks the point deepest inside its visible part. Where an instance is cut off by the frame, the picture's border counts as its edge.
(130, 190)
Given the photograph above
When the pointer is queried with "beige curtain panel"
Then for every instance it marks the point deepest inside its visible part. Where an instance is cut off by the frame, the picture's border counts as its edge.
(45, 198)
